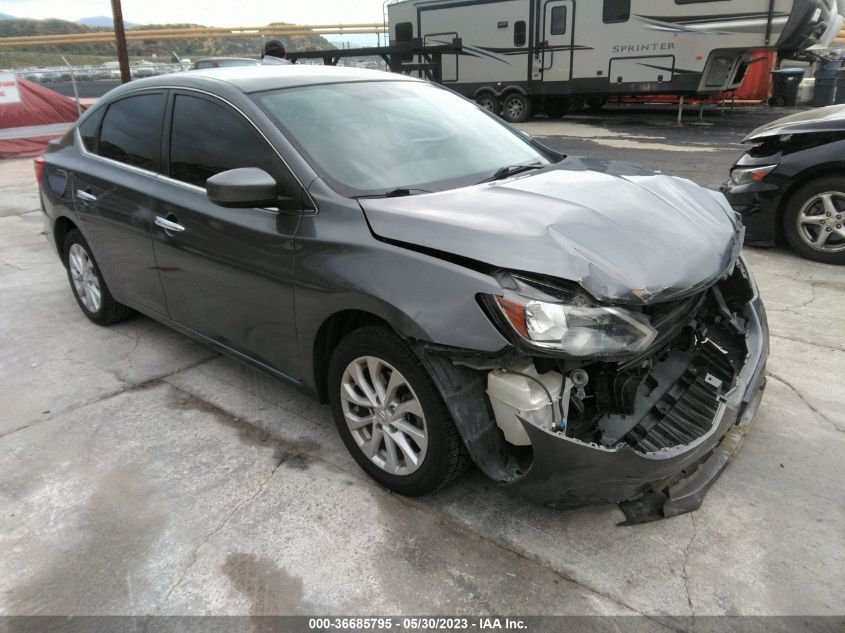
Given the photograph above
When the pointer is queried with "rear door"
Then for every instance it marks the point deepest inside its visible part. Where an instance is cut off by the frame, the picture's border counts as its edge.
(111, 195)
(557, 40)
(227, 273)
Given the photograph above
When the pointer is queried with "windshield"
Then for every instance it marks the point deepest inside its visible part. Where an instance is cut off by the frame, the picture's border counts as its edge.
(373, 138)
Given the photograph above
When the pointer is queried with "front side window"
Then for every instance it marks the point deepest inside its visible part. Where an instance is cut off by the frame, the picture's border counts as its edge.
(207, 138)
(370, 138)
(131, 131)
(617, 11)
(519, 33)
(558, 26)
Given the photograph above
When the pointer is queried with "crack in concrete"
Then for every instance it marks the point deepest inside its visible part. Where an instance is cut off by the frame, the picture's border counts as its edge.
(222, 524)
(686, 577)
(127, 387)
(805, 342)
(812, 286)
(788, 384)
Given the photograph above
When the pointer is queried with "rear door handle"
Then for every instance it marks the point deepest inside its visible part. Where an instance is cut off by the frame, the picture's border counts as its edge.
(169, 225)
(84, 195)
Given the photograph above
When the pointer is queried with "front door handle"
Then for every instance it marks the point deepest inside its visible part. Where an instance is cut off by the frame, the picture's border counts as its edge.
(84, 195)
(169, 225)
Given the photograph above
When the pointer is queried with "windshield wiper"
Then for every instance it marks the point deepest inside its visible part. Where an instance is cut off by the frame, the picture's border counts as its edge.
(399, 192)
(512, 170)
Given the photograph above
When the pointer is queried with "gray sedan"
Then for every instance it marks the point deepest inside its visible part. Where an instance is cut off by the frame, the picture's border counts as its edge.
(582, 331)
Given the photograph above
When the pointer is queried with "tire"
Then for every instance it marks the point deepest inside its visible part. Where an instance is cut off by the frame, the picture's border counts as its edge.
(516, 108)
(441, 458)
(489, 102)
(576, 104)
(86, 281)
(556, 108)
(816, 212)
(596, 103)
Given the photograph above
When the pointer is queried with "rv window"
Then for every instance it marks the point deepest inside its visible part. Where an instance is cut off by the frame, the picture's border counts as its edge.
(519, 33)
(617, 11)
(558, 26)
(404, 32)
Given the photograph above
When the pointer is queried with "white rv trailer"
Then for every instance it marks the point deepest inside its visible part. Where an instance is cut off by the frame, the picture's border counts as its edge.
(524, 55)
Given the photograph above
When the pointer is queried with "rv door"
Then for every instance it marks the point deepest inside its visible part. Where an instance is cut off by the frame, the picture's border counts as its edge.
(558, 39)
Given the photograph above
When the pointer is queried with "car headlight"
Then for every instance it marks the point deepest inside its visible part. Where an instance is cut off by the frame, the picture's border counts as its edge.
(749, 175)
(571, 323)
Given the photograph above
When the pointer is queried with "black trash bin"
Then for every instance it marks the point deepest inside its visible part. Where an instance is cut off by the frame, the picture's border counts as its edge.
(826, 77)
(840, 87)
(785, 86)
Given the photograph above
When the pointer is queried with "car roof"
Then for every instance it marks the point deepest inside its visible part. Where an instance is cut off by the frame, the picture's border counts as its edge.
(271, 77)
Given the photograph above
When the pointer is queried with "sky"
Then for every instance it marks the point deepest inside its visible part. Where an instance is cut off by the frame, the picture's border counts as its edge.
(207, 13)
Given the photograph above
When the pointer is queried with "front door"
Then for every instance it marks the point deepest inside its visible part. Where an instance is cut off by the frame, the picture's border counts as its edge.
(227, 273)
(558, 29)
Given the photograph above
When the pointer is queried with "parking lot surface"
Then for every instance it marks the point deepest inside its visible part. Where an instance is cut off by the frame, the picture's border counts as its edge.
(142, 473)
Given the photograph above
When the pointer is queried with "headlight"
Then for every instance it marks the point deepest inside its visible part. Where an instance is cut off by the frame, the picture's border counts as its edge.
(748, 175)
(570, 322)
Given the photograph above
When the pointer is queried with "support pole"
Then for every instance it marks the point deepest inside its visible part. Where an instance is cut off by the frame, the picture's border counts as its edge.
(681, 112)
(701, 111)
(120, 41)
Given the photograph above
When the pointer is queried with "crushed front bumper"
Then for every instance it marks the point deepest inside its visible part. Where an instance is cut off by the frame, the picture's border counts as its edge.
(758, 205)
(567, 473)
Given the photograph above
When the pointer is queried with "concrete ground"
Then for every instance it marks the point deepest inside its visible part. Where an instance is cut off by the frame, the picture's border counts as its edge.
(143, 474)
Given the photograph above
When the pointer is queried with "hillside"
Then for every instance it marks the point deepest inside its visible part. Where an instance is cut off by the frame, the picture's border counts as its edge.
(249, 46)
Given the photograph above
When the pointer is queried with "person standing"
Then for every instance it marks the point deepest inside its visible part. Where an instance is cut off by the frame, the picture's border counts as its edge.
(274, 53)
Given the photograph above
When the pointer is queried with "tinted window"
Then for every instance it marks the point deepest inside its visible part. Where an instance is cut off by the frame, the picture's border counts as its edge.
(201, 65)
(208, 138)
(558, 26)
(617, 10)
(131, 131)
(404, 32)
(88, 130)
(519, 33)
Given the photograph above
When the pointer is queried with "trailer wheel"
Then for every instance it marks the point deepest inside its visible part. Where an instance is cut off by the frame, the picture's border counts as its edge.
(555, 108)
(596, 103)
(517, 108)
(489, 102)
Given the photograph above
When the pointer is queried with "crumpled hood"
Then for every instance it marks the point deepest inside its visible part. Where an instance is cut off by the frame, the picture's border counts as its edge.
(828, 119)
(632, 239)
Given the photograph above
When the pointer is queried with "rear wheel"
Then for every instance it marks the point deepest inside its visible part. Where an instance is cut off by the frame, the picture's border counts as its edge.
(87, 283)
(489, 102)
(555, 108)
(516, 108)
(390, 414)
(596, 103)
(814, 220)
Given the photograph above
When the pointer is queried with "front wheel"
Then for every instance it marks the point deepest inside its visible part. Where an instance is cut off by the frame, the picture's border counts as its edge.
(516, 108)
(489, 102)
(390, 414)
(814, 220)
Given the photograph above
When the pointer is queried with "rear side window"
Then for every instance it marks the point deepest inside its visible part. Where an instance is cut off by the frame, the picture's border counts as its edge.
(519, 33)
(616, 11)
(558, 26)
(207, 138)
(131, 131)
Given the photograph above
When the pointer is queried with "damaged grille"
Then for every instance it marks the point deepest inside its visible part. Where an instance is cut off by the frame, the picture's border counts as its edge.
(686, 411)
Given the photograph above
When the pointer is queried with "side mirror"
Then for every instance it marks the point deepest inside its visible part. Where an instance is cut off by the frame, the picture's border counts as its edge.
(242, 188)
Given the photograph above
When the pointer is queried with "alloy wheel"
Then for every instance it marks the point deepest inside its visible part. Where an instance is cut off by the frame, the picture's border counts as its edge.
(821, 222)
(488, 103)
(515, 108)
(384, 416)
(84, 277)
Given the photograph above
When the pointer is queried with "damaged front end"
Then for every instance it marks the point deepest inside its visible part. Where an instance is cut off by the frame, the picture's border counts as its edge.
(638, 405)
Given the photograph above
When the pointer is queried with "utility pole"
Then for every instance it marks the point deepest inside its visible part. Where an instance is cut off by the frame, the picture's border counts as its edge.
(120, 41)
